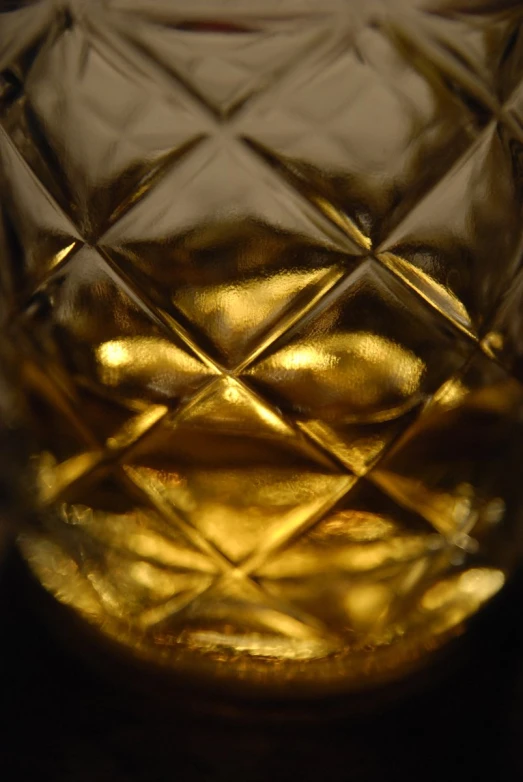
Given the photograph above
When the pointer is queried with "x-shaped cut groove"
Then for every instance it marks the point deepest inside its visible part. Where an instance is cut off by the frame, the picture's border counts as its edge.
(226, 568)
(111, 459)
(239, 108)
(171, 327)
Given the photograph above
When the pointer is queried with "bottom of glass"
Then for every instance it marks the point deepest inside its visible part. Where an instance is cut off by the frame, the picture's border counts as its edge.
(213, 656)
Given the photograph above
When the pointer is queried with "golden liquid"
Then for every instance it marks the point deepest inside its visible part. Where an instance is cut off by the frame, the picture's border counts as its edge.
(278, 423)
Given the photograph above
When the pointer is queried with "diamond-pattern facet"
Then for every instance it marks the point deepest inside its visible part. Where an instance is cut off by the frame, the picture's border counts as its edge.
(262, 262)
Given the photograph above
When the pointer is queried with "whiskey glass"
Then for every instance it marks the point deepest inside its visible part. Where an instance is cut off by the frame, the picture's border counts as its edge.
(261, 270)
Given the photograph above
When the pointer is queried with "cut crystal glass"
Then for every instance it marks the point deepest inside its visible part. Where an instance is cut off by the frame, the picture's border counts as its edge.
(261, 266)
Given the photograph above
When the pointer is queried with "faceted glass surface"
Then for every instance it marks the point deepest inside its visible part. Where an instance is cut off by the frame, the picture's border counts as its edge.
(261, 264)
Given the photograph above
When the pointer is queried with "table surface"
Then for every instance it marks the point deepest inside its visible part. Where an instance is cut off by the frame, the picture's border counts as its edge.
(65, 723)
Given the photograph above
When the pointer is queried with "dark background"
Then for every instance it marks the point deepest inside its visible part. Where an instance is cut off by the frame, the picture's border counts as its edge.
(62, 721)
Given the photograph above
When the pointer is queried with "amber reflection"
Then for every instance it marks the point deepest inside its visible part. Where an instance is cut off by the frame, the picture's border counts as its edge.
(453, 599)
(359, 375)
(234, 315)
(149, 363)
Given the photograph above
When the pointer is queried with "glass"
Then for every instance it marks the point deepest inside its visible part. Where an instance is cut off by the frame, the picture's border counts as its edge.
(261, 267)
